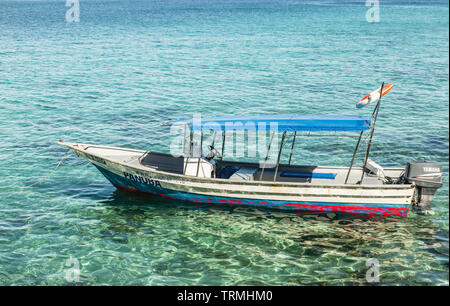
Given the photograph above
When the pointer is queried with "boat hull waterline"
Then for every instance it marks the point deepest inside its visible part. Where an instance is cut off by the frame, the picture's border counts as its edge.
(127, 184)
(125, 173)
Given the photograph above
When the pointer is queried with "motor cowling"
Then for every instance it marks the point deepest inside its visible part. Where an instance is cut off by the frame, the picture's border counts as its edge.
(427, 176)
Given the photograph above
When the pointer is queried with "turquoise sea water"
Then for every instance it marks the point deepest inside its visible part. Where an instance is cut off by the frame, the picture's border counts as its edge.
(127, 66)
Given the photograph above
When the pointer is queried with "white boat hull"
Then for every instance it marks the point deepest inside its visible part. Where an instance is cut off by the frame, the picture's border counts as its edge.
(123, 169)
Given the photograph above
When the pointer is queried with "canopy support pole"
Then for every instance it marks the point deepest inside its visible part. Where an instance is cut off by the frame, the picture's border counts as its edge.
(223, 144)
(201, 149)
(279, 155)
(375, 112)
(191, 138)
(214, 138)
(353, 157)
(292, 148)
(267, 156)
(184, 140)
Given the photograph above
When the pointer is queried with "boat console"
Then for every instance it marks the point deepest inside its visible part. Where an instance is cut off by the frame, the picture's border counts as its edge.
(199, 167)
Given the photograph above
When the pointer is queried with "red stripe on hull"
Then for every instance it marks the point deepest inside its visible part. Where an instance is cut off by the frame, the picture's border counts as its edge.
(384, 211)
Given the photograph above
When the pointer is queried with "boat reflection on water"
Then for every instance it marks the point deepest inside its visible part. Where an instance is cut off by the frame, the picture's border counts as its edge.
(311, 248)
(123, 200)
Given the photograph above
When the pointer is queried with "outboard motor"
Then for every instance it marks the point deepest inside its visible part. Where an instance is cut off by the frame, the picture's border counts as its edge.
(427, 176)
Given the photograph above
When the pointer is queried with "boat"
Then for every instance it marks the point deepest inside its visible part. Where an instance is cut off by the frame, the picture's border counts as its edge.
(201, 174)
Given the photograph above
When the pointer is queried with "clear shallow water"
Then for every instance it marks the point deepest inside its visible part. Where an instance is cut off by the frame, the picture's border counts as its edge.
(127, 66)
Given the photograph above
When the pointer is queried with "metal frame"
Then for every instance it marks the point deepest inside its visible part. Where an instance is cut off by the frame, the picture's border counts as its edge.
(292, 147)
(191, 138)
(353, 157)
(374, 116)
(279, 155)
(295, 135)
(201, 151)
(267, 156)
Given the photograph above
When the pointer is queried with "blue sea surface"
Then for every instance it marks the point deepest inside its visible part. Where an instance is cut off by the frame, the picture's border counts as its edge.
(128, 66)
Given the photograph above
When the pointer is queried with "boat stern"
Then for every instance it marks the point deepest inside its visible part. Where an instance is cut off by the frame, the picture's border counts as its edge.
(427, 178)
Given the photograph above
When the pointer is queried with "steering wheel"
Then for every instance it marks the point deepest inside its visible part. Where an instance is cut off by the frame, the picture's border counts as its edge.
(213, 153)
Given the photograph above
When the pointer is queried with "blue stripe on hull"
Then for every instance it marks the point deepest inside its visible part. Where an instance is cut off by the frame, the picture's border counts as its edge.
(132, 183)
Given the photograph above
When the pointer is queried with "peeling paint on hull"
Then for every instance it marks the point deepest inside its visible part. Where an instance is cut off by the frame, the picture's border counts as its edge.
(124, 183)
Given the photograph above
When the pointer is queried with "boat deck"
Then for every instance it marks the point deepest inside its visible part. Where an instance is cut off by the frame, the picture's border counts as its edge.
(238, 183)
(242, 171)
(163, 162)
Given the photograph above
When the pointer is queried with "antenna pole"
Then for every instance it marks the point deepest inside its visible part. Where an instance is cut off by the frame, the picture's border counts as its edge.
(375, 112)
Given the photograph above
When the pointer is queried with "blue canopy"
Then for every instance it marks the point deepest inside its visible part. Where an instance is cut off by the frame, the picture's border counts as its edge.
(279, 123)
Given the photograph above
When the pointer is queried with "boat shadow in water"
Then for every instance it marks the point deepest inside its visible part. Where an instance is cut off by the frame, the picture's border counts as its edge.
(168, 225)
